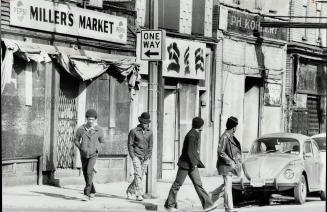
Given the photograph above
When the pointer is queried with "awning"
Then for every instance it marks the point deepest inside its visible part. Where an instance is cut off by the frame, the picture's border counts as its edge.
(83, 64)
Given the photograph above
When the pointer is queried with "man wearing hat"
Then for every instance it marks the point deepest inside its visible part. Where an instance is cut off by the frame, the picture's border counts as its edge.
(188, 164)
(88, 140)
(228, 163)
(140, 142)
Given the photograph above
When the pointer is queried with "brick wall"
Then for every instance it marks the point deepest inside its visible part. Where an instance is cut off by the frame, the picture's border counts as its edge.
(208, 18)
(308, 8)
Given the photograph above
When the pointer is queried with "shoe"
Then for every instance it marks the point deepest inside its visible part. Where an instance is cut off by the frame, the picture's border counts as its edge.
(86, 198)
(171, 209)
(210, 208)
(139, 198)
(145, 196)
(92, 195)
(129, 195)
(231, 210)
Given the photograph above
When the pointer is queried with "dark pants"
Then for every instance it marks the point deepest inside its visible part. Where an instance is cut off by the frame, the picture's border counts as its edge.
(196, 180)
(88, 172)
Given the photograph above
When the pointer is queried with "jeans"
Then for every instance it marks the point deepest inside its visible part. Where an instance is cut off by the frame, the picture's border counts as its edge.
(88, 172)
(140, 167)
(226, 191)
(196, 180)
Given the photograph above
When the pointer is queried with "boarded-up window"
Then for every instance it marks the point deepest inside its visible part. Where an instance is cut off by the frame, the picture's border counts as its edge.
(169, 14)
(198, 15)
(311, 77)
(111, 99)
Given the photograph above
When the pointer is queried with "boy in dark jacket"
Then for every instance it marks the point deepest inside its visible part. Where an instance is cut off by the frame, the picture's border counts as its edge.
(188, 164)
(88, 140)
(228, 164)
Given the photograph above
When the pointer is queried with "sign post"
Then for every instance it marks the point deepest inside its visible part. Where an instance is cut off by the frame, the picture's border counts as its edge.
(154, 74)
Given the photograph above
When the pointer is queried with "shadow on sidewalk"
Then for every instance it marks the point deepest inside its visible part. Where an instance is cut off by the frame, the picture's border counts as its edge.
(56, 195)
(112, 196)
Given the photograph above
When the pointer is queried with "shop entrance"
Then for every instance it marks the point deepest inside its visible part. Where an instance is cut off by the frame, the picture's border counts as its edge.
(170, 139)
(251, 111)
(67, 119)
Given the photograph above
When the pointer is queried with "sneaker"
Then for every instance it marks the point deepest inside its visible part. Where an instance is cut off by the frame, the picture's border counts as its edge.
(139, 198)
(85, 198)
(231, 210)
(210, 208)
(171, 209)
(129, 195)
(92, 195)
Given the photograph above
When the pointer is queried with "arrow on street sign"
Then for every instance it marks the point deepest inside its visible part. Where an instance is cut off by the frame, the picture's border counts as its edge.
(149, 53)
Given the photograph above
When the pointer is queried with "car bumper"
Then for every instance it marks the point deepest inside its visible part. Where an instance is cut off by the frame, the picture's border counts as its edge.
(270, 186)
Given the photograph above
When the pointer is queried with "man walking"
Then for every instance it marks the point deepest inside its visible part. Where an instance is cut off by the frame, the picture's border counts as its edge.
(140, 142)
(88, 140)
(228, 164)
(188, 163)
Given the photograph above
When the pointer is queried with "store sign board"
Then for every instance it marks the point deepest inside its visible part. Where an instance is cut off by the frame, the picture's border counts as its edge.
(66, 19)
(247, 24)
(184, 59)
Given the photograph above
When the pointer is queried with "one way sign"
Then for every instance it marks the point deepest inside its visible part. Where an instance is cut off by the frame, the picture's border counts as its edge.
(152, 43)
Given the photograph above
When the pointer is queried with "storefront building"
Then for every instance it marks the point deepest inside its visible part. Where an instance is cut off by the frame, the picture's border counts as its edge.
(186, 88)
(58, 60)
(251, 63)
(307, 72)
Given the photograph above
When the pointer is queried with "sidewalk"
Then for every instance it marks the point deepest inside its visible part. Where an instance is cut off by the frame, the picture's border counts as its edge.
(109, 197)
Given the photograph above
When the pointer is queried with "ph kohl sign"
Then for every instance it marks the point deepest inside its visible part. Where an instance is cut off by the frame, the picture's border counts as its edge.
(62, 18)
(246, 24)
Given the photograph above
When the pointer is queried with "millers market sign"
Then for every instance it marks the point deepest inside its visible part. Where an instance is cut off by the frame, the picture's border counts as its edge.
(67, 19)
(246, 24)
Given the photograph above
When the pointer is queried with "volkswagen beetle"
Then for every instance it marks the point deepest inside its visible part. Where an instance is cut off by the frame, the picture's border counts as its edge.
(286, 163)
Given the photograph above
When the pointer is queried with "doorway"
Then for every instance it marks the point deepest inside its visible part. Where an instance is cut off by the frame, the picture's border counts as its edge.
(170, 140)
(251, 117)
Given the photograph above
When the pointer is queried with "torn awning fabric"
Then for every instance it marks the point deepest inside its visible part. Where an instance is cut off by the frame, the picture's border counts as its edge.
(82, 64)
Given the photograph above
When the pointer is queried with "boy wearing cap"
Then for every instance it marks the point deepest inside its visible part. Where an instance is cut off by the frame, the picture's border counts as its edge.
(188, 164)
(228, 163)
(88, 140)
(140, 143)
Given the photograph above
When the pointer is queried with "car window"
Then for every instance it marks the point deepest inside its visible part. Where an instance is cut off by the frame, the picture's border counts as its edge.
(307, 147)
(315, 149)
(279, 145)
(321, 141)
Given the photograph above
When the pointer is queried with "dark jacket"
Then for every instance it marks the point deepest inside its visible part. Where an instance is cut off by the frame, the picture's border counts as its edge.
(229, 155)
(190, 153)
(140, 144)
(89, 141)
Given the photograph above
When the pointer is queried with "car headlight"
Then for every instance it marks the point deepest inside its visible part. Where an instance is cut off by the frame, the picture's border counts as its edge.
(289, 173)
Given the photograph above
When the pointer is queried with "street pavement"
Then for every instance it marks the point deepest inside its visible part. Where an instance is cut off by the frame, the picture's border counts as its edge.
(112, 197)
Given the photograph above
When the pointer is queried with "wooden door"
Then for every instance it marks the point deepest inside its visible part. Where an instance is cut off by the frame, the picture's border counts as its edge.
(169, 130)
(251, 114)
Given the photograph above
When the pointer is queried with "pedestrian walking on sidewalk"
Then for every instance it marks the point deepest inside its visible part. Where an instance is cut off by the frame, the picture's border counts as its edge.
(140, 142)
(228, 163)
(188, 164)
(88, 140)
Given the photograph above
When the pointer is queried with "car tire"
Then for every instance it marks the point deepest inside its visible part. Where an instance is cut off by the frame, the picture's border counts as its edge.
(323, 195)
(300, 191)
(237, 196)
